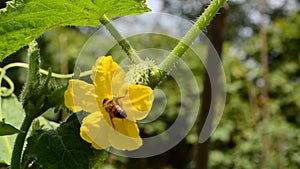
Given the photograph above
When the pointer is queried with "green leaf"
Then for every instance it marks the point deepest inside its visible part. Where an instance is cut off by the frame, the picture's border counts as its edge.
(23, 21)
(47, 124)
(7, 129)
(13, 114)
(61, 148)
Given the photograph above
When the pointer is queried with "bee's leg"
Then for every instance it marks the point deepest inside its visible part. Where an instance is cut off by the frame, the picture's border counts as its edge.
(116, 99)
(120, 97)
(110, 117)
(125, 93)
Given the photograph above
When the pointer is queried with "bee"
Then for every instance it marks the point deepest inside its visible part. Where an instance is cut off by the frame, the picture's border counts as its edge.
(113, 108)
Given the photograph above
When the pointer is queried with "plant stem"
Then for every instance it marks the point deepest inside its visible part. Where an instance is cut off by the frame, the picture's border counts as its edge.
(34, 76)
(125, 45)
(191, 35)
(18, 147)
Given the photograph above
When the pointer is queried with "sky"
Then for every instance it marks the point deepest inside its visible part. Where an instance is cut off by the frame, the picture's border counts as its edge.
(155, 5)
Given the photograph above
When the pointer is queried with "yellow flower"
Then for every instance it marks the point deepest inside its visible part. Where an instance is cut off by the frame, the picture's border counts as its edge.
(102, 127)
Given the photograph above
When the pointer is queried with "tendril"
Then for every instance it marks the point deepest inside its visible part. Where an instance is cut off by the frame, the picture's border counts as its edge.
(4, 92)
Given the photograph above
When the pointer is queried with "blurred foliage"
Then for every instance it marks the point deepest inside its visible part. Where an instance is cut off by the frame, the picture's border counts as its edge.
(62, 45)
(237, 142)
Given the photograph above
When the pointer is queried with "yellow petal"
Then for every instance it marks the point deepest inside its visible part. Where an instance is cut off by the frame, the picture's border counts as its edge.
(95, 129)
(118, 82)
(137, 102)
(126, 136)
(107, 76)
(85, 137)
(81, 96)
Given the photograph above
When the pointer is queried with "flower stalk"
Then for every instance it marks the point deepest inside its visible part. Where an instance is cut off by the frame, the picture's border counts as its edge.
(125, 45)
(191, 35)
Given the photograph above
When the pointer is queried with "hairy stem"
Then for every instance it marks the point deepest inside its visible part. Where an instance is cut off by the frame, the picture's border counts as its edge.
(191, 35)
(33, 77)
(125, 45)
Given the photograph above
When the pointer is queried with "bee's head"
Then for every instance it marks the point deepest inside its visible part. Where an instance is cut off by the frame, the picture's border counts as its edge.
(105, 100)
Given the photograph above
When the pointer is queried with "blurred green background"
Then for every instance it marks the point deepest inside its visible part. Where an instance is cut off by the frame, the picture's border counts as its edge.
(238, 142)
